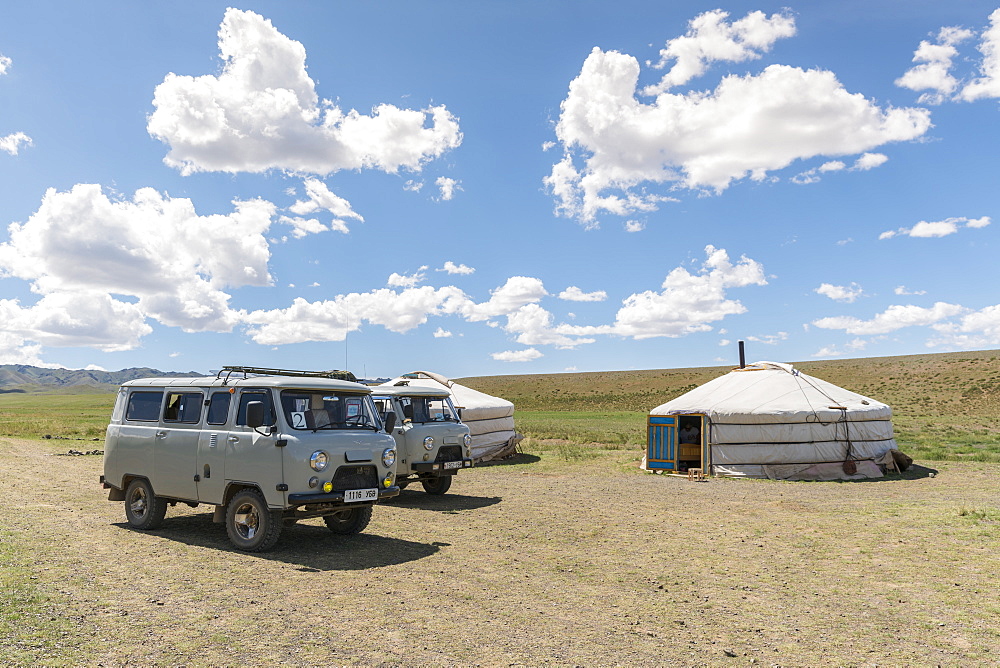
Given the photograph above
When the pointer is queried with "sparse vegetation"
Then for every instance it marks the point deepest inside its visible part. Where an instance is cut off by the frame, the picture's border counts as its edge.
(945, 406)
(577, 555)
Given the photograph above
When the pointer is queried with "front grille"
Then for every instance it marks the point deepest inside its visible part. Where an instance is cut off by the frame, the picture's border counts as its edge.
(449, 453)
(355, 477)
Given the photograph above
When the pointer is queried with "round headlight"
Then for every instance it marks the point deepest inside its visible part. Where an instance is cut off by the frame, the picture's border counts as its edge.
(467, 439)
(388, 457)
(429, 443)
(387, 481)
(319, 460)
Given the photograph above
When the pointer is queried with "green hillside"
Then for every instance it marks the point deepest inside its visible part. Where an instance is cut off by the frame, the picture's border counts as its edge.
(944, 404)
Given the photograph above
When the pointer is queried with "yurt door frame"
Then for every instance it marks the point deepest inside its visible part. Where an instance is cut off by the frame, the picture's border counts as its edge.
(663, 450)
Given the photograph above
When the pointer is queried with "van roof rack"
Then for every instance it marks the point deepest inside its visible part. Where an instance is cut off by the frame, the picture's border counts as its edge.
(261, 371)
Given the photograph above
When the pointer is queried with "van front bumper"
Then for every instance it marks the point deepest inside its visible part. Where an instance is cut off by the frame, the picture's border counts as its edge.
(441, 467)
(337, 498)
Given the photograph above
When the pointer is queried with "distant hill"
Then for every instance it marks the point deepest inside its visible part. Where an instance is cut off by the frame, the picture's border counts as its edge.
(24, 378)
(965, 384)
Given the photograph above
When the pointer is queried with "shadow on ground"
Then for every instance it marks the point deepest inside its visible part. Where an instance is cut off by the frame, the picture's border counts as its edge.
(414, 499)
(313, 547)
(519, 458)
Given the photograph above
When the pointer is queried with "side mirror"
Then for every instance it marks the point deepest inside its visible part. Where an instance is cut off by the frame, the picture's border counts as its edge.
(255, 414)
(459, 411)
(390, 422)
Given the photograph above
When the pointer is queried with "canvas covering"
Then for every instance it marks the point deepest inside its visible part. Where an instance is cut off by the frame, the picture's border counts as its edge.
(771, 420)
(490, 419)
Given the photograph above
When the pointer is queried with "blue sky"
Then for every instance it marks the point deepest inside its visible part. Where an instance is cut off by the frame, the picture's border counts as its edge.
(483, 188)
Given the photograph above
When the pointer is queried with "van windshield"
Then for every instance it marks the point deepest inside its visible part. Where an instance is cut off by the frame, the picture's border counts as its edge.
(428, 409)
(312, 410)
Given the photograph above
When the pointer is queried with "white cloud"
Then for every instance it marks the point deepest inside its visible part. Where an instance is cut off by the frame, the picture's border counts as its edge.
(853, 346)
(533, 326)
(319, 196)
(840, 293)
(79, 318)
(518, 291)
(407, 281)
(933, 73)
(453, 268)
(893, 318)
(941, 228)
(82, 247)
(12, 143)
(262, 112)
(616, 146)
(413, 186)
(517, 355)
(901, 290)
(447, 187)
(302, 227)
(634, 226)
(687, 303)
(769, 339)
(332, 319)
(978, 329)
(870, 161)
(987, 85)
(711, 38)
(441, 333)
(575, 294)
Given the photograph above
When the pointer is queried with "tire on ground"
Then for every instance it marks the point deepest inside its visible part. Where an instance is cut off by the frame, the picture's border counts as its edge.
(143, 509)
(251, 525)
(349, 520)
(438, 485)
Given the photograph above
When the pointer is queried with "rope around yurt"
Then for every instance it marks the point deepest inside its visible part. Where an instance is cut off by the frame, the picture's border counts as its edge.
(850, 461)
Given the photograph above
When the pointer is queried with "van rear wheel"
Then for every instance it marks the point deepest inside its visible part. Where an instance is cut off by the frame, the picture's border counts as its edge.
(143, 509)
(349, 520)
(251, 525)
(438, 485)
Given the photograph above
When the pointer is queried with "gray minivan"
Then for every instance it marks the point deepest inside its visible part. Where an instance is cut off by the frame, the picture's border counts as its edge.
(266, 447)
(432, 442)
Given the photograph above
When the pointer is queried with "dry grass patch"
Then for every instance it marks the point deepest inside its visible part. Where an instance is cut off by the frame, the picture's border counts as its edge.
(546, 559)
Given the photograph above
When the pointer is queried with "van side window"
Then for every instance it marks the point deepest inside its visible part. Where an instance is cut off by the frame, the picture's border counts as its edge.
(183, 407)
(218, 408)
(144, 406)
(255, 395)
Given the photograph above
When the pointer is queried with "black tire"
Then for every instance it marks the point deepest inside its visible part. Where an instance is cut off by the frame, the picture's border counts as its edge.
(438, 485)
(349, 520)
(251, 525)
(143, 509)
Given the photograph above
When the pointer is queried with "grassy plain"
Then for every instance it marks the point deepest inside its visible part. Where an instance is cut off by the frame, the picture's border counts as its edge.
(564, 555)
(945, 406)
(561, 558)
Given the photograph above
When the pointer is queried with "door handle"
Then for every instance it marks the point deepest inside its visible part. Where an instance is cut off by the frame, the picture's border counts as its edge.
(233, 439)
(161, 434)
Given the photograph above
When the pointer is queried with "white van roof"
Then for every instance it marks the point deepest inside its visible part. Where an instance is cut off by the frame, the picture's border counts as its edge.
(283, 382)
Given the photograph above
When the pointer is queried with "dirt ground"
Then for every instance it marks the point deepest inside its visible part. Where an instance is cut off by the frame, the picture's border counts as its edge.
(543, 562)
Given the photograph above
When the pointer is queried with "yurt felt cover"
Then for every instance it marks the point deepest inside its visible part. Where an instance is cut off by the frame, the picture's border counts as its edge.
(771, 415)
(490, 419)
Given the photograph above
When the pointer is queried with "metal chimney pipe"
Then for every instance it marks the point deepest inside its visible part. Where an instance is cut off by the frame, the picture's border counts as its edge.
(743, 357)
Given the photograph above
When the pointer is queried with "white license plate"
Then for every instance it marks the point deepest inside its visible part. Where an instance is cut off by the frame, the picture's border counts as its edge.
(453, 465)
(361, 495)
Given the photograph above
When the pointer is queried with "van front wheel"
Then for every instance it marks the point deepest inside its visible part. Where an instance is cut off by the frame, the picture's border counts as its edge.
(438, 485)
(251, 525)
(350, 520)
(143, 509)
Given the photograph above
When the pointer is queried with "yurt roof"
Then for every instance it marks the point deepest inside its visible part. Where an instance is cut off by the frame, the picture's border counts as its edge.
(473, 402)
(766, 392)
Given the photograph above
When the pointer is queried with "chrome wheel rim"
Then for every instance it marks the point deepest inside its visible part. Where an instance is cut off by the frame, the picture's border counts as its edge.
(247, 521)
(138, 502)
